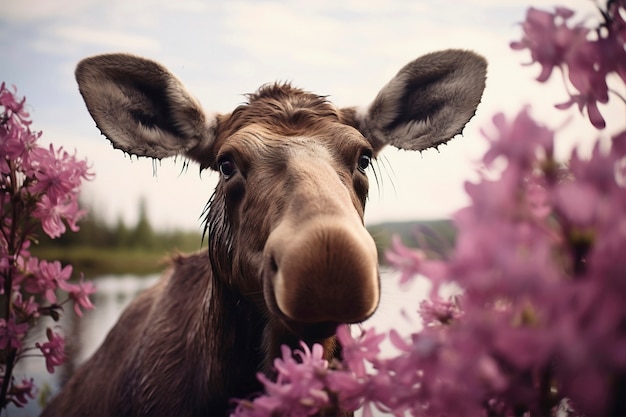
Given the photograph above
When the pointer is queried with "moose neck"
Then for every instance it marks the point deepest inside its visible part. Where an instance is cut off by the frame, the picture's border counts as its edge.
(245, 341)
(276, 335)
(233, 331)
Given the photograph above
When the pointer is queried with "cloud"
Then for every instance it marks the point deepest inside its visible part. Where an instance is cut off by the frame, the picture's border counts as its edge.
(36, 10)
(582, 6)
(33, 10)
(112, 39)
(339, 48)
(193, 6)
(277, 30)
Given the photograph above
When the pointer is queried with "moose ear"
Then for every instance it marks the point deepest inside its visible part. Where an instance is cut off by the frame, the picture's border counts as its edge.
(427, 103)
(143, 109)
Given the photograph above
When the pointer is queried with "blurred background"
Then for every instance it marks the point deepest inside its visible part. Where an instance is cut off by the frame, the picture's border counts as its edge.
(221, 50)
(141, 210)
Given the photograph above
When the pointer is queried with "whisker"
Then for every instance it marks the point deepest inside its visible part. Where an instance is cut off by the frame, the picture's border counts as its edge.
(383, 165)
(392, 176)
(378, 180)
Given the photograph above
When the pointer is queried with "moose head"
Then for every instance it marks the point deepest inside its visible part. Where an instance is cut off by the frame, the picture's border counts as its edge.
(286, 238)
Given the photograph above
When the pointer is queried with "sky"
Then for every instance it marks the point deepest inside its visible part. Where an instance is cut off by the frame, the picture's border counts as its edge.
(222, 50)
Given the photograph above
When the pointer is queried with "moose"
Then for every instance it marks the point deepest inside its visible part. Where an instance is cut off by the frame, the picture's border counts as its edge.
(288, 256)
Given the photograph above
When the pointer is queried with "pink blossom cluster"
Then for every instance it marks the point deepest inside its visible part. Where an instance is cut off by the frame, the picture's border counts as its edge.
(539, 258)
(586, 57)
(299, 388)
(539, 328)
(39, 190)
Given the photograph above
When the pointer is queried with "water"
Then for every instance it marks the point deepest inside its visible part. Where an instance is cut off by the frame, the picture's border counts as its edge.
(397, 310)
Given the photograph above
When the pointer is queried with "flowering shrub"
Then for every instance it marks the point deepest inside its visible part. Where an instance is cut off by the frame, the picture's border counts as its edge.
(586, 57)
(38, 191)
(540, 326)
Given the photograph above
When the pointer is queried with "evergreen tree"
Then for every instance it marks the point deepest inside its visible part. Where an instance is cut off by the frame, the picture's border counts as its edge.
(143, 236)
(121, 235)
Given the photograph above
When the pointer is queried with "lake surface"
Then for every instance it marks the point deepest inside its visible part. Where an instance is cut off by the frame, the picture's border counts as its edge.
(397, 310)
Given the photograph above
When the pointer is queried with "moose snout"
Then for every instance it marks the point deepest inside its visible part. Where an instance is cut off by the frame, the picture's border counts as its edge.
(325, 271)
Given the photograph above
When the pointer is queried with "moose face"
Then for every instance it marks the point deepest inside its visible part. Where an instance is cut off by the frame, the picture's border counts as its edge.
(286, 220)
(285, 223)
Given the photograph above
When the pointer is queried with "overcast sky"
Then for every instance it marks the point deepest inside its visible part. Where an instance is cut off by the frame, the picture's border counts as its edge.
(222, 50)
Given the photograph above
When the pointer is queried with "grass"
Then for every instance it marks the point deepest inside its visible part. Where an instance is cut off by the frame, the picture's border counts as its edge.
(94, 262)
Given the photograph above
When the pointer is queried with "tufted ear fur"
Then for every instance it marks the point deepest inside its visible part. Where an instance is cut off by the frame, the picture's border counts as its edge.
(142, 108)
(427, 103)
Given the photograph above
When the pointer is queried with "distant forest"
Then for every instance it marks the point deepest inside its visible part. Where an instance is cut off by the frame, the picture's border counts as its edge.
(95, 232)
(99, 248)
(435, 237)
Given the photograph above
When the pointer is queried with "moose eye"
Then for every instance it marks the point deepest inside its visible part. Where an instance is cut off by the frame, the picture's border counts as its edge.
(364, 161)
(227, 168)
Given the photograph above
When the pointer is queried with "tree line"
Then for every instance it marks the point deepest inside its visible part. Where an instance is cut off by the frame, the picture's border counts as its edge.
(95, 232)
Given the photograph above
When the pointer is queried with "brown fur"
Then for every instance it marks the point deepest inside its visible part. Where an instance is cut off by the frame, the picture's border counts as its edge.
(288, 255)
(198, 338)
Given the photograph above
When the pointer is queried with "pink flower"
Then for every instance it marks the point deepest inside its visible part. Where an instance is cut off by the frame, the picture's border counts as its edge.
(519, 140)
(52, 215)
(48, 277)
(11, 333)
(299, 389)
(27, 266)
(523, 347)
(538, 200)
(350, 390)
(412, 262)
(548, 41)
(490, 200)
(612, 46)
(18, 393)
(58, 176)
(436, 311)
(618, 147)
(588, 60)
(79, 293)
(12, 106)
(37, 185)
(579, 204)
(358, 351)
(57, 172)
(589, 99)
(53, 350)
(589, 79)
(26, 308)
(17, 141)
(599, 170)
(408, 261)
